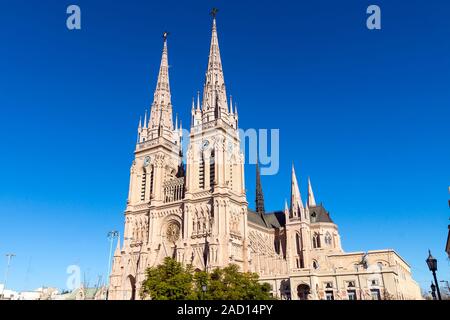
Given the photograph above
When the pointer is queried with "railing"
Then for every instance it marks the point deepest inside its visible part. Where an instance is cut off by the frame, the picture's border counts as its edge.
(154, 142)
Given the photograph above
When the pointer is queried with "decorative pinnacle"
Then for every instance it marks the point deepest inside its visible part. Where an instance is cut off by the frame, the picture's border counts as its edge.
(165, 35)
(213, 12)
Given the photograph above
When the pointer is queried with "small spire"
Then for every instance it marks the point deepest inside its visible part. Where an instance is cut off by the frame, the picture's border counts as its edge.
(140, 123)
(193, 103)
(235, 109)
(231, 104)
(198, 100)
(296, 198)
(311, 200)
(145, 120)
(176, 121)
(117, 252)
(287, 213)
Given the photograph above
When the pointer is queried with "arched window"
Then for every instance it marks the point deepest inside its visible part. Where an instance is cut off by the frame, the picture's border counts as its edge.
(212, 169)
(313, 217)
(315, 265)
(316, 240)
(328, 239)
(201, 172)
(298, 240)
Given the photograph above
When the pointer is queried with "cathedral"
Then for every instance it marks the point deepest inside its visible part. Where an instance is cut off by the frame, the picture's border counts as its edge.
(196, 211)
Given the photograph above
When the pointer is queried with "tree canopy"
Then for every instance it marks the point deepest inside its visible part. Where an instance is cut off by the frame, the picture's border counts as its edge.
(172, 281)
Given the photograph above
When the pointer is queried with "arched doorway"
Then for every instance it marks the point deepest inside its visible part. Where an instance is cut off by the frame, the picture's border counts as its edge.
(130, 288)
(303, 292)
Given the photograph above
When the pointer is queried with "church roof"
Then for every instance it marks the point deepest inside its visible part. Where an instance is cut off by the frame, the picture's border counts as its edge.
(321, 215)
(273, 219)
(277, 219)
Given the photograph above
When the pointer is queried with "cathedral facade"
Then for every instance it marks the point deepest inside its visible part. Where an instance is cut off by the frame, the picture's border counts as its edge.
(198, 213)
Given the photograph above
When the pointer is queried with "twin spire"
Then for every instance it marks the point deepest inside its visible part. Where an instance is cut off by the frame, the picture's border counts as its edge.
(297, 210)
(214, 103)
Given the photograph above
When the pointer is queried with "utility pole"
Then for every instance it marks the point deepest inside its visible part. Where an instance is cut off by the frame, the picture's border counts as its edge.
(111, 236)
(9, 257)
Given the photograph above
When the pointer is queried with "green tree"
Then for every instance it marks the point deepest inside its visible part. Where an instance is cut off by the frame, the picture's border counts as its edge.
(230, 284)
(168, 281)
(172, 281)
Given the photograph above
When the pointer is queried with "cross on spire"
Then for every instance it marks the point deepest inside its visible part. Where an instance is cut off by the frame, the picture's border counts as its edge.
(213, 12)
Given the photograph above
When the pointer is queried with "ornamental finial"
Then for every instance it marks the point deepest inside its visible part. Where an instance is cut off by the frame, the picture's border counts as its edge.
(165, 35)
(214, 12)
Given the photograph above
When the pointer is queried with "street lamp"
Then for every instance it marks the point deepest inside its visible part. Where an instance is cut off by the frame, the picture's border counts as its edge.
(432, 265)
(9, 256)
(204, 288)
(111, 236)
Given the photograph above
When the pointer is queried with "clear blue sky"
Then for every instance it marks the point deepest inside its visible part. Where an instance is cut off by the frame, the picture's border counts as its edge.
(364, 113)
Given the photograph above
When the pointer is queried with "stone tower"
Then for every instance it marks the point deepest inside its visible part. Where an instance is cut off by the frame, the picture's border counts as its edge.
(215, 201)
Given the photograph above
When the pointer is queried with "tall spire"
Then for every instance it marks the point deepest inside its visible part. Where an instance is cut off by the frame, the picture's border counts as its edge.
(214, 93)
(161, 113)
(259, 199)
(296, 199)
(311, 199)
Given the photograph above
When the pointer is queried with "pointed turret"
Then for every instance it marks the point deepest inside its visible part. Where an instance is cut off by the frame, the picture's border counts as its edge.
(231, 104)
(311, 200)
(286, 211)
(145, 120)
(161, 123)
(296, 199)
(214, 92)
(117, 252)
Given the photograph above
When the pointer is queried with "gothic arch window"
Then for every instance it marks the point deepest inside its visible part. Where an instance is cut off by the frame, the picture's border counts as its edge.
(212, 169)
(143, 184)
(201, 172)
(313, 217)
(315, 265)
(298, 241)
(328, 239)
(130, 292)
(152, 177)
(277, 244)
(316, 240)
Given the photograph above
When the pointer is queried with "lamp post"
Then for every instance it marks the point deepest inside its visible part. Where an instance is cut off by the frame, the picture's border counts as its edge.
(204, 288)
(432, 265)
(111, 236)
(9, 256)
